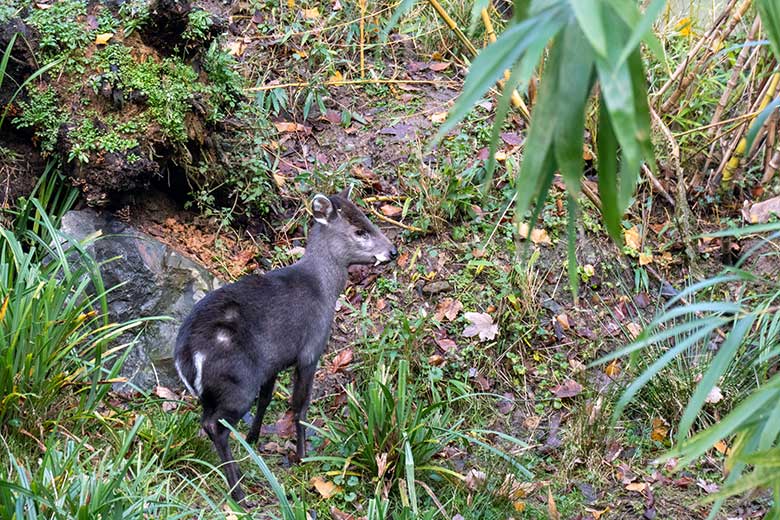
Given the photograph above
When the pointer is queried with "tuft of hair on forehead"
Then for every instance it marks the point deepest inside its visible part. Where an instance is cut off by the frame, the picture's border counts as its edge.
(349, 211)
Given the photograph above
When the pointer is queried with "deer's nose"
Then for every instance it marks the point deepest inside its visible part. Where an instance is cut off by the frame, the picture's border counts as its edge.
(393, 253)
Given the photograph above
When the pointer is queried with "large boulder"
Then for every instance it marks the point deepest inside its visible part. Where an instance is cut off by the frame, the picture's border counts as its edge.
(155, 281)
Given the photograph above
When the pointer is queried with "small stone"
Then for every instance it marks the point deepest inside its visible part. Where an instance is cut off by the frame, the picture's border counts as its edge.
(436, 287)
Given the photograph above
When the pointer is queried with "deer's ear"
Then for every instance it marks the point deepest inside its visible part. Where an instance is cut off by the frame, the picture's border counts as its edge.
(322, 208)
(346, 192)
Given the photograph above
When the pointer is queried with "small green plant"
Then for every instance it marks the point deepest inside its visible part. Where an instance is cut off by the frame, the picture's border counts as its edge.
(89, 137)
(42, 112)
(198, 25)
(388, 432)
(59, 27)
(134, 14)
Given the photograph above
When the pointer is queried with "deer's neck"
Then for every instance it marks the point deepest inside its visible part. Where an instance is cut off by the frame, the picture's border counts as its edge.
(320, 260)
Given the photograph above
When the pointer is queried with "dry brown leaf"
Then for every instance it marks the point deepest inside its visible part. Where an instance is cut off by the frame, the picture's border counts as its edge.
(311, 14)
(569, 388)
(166, 393)
(634, 329)
(519, 506)
(236, 47)
(631, 236)
(102, 39)
(645, 258)
(475, 479)
(439, 66)
(637, 486)
(563, 321)
(279, 180)
(284, 126)
(540, 236)
(660, 430)
(597, 514)
(338, 514)
(523, 229)
(391, 211)
(337, 77)
(403, 259)
(552, 509)
(341, 360)
(436, 360)
(481, 325)
(325, 488)
(721, 446)
(448, 308)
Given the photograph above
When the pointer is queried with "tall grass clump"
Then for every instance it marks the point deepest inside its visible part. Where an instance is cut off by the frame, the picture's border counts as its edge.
(737, 345)
(55, 334)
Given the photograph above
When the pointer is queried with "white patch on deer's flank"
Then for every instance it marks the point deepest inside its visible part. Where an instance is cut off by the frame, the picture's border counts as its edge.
(199, 358)
(184, 379)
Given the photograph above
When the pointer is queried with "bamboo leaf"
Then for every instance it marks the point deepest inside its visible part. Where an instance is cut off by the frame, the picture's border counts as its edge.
(759, 122)
(641, 29)
(575, 80)
(491, 62)
(770, 17)
(589, 18)
(607, 170)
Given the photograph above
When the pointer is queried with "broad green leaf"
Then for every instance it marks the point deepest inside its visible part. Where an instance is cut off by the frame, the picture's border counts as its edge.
(641, 108)
(641, 29)
(717, 368)
(499, 56)
(571, 232)
(574, 80)
(770, 18)
(590, 20)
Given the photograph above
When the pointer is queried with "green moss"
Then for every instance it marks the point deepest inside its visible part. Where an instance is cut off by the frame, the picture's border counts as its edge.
(42, 112)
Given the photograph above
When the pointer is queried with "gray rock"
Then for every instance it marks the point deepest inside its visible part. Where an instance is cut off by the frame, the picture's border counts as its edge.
(155, 281)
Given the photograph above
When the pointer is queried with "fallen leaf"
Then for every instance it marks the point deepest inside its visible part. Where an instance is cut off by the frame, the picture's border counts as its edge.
(391, 211)
(336, 6)
(446, 344)
(438, 117)
(475, 479)
(337, 77)
(532, 422)
(519, 506)
(448, 308)
(284, 126)
(482, 325)
(563, 321)
(285, 427)
(337, 514)
(722, 447)
(436, 360)
(631, 237)
(660, 430)
(761, 212)
(597, 514)
(166, 393)
(511, 139)
(540, 236)
(500, 156)
(633, 329)
(506, 404)
(613, 369)
(341, 360)
(279, 180)
(403, 259)
(645, 258)
(325, 488)
(523, 229)
(438, 66)
(714, 396)
(236, 48)
(637, 486)
(569, 388)
(102, 38)
(708, 487)
(311, 14)
(552, 509)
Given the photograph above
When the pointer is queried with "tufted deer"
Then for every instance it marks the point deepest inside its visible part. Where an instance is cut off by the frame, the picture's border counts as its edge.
(238, 338)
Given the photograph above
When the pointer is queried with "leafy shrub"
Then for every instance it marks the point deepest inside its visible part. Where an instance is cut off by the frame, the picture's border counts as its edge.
(43, 113)
(59, 27)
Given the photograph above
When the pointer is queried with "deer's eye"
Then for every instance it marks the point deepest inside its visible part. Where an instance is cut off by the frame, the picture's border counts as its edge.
(362, 233)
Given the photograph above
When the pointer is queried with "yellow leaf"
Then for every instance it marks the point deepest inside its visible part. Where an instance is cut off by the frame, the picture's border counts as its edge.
(613, 369)
(501, 156)
(645, 258)
(4, 307)
(337, 77)
(279, 180)
(660, 430)
(325, 488)
(722, 447)
(284, 126)
(291, 4)
(311, 14)
(597, 514)
(102, 39)
(523, 229)
(519, 506)
(684, 27)
(631, 236)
